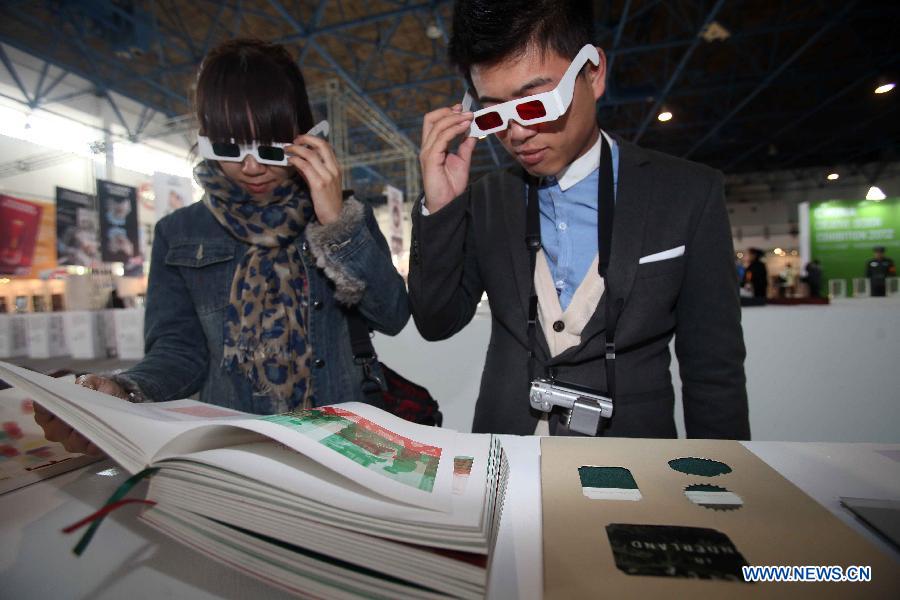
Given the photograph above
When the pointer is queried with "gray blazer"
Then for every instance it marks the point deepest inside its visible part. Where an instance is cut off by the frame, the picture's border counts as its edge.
(477, 244)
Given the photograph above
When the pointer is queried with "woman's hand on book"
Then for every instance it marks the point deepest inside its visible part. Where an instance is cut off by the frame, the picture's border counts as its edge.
(56, 430)
(102, 384)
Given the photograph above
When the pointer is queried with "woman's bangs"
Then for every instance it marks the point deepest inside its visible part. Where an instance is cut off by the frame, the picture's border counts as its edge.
(246, 106)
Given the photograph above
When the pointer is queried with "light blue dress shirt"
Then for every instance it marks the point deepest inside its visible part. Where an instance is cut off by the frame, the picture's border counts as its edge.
(568, 207)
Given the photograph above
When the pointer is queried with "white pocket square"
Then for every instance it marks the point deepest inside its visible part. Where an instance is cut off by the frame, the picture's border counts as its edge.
(664, 255)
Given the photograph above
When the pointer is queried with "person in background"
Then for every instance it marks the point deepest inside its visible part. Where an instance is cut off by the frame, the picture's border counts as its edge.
(249, 290)
(787, 281)
(814, 278)
(553, 310)
(756, 278)
(115, 301)
(878, 269)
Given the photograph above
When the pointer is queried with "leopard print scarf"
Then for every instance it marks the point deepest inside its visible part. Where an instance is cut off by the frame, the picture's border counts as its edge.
(265, 321)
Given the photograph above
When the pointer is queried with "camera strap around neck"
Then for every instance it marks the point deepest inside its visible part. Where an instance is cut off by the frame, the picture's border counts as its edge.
(605, 209)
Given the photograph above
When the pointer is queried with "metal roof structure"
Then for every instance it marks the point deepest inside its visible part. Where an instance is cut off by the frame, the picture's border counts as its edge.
(754, 85)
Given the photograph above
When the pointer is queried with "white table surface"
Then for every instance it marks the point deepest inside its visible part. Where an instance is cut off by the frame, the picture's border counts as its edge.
(129, 559)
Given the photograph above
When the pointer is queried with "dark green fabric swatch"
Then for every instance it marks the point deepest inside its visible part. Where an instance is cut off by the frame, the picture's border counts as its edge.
(703, 467)
(607, 477)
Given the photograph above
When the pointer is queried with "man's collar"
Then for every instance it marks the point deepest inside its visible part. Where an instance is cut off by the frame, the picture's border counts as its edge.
(582, 166)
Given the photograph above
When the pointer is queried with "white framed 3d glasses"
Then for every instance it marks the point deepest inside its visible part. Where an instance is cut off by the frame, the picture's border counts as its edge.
(264, 154)
(534, 109)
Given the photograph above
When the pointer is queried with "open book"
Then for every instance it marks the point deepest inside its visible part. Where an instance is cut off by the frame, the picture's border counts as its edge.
(340, 501)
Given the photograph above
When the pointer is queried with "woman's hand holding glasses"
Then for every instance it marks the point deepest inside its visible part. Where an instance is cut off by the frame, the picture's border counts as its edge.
(314, 158)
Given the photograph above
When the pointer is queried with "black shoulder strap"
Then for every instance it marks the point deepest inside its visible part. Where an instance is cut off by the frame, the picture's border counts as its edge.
(360, 342)
(364, 353)
(532, 244)
(606, 203)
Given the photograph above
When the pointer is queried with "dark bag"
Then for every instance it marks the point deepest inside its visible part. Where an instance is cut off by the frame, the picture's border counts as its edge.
(393, 393)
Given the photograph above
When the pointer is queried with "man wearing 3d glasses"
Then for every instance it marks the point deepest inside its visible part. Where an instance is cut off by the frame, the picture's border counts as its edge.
(593, 252)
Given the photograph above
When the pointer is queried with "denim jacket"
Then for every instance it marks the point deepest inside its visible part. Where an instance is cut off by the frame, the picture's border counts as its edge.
(192, 266)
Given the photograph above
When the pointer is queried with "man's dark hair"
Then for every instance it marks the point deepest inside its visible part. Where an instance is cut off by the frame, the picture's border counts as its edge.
(249, 90)
(488, 31)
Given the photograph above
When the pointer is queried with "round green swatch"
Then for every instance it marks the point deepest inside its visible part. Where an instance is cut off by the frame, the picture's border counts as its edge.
(703, 467)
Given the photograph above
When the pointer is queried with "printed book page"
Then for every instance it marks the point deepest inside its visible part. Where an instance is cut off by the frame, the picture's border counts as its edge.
(403, 461)
(407, 463)
(297, 475)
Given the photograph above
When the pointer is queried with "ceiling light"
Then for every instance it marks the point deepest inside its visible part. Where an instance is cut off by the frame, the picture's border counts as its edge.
(884, 88)
(665, 116)
(875, 194)
(778, 251)
(714, 32)
(833, 176)
(44, 129)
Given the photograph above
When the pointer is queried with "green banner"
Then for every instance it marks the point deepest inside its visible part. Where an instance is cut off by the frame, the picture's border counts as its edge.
(842, 234)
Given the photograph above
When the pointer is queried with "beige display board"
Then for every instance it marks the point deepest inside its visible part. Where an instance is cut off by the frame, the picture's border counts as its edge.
(776, 524)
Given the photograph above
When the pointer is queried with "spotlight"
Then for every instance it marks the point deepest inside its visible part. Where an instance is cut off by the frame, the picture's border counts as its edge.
(665, 116)
(884, 88)
(833, 176)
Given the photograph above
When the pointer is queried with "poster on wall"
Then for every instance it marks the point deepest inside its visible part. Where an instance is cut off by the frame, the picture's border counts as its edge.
(20, 222)
(119, 225)
(77, 226)
(171, 193)
(395, 208)
(843, 233)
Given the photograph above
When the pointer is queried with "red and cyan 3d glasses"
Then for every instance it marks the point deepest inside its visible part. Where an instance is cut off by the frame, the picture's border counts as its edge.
(537, 108)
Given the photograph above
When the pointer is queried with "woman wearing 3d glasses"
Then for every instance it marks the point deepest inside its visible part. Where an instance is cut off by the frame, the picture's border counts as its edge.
(250, 289)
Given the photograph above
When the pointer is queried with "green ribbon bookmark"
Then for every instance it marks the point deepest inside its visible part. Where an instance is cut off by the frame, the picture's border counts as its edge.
(111, 504)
